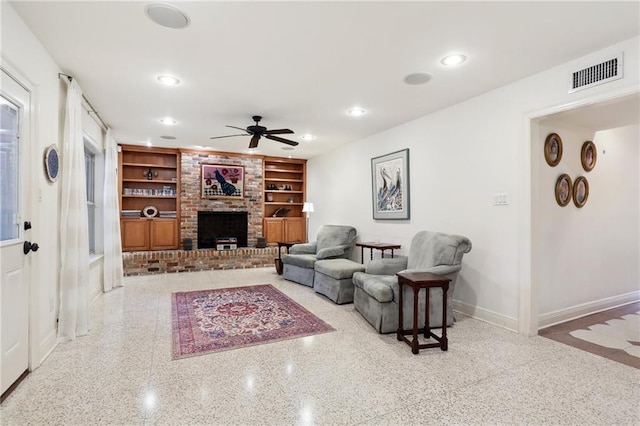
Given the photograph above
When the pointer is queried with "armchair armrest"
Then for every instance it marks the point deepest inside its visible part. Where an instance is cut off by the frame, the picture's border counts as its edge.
(303, 248)
(439, 270)
(387, 266)
(332, 252)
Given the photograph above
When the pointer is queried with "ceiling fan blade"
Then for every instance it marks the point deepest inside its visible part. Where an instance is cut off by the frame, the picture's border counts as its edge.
(239, 128)
(254, 141)
(278, 132)
(228, 136)
(287, 141)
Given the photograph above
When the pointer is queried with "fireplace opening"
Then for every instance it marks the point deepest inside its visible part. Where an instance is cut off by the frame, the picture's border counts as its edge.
(214, 227)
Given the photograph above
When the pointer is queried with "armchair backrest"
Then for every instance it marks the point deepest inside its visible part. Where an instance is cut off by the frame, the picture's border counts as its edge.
(336, 235)
(430, 249)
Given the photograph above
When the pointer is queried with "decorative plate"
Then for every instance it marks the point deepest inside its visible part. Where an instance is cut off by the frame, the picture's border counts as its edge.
(52, 162)
(150, 211)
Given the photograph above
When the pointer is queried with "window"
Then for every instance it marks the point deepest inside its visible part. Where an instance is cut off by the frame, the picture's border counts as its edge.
(9, 170)
(89, 166)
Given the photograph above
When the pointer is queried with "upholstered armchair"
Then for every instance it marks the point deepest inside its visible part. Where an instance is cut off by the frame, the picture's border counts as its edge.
(332, 242)
(376, 290)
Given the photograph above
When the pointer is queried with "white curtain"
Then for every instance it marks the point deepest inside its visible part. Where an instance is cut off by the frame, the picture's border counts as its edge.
(74, 238)
(112, 243)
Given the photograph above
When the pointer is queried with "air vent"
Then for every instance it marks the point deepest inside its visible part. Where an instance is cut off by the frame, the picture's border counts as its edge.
(594, 75)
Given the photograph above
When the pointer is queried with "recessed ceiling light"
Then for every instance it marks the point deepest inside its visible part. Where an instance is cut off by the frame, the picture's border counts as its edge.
(168, 80)
(356, 112)
(417, 78)
(454, 59)
(307, 137)
(168, 137)
(167, 15)
(149, 144)
(168, 121)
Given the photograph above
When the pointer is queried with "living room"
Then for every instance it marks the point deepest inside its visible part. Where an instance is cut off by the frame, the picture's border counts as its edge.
(532, 262)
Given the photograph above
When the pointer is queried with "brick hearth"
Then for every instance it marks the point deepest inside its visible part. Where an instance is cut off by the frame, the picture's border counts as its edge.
(160, 262)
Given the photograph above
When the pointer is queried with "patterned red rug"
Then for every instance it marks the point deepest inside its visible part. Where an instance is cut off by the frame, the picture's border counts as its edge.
(209, 321)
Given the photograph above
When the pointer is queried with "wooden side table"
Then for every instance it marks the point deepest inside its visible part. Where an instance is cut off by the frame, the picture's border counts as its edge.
(378, 246)
(278, 260)
(417, 281)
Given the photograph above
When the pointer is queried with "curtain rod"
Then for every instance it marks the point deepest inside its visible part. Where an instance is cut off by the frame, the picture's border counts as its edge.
(93, 110)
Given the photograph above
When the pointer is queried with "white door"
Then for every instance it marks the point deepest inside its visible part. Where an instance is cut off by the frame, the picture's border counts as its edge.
(14, 285)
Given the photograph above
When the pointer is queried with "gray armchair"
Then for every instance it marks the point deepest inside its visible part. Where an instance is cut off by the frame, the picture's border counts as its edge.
(332, 242)
(376, 289)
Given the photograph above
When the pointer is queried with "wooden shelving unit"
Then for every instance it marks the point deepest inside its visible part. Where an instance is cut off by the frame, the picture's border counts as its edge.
(284, 188)
(149, 177)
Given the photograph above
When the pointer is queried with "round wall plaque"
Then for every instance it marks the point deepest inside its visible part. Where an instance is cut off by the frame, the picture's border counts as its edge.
(52, 162)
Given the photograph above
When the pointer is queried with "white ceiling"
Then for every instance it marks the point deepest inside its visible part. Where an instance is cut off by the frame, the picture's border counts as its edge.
(301, 65)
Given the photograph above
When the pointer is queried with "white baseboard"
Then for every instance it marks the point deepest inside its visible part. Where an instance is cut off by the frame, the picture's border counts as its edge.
(486, 315)
(578, 311)
(47, 345)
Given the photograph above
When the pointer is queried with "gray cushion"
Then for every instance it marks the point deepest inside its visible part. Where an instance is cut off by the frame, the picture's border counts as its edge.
(380, 287)
(338, 268)
(302, 260)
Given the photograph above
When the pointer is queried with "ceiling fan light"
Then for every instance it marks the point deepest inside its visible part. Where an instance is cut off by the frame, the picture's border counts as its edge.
(453, 59)
(168, 121)
(307, 137)
(168, 80)
(356, 112)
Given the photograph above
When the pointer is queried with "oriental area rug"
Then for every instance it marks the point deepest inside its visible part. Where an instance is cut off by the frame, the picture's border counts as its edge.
(208, 321)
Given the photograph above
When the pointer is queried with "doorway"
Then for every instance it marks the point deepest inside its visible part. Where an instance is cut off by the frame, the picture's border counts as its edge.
(550, 293)
(15, 118)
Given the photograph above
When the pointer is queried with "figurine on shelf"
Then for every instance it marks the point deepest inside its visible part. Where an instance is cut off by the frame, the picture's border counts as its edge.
(150, 174)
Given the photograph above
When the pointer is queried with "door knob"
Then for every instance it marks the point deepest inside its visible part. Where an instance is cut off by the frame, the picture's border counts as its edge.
(28, 246)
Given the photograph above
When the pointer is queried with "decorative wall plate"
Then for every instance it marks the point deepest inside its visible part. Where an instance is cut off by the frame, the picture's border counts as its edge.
(150, 211)
(52, 162)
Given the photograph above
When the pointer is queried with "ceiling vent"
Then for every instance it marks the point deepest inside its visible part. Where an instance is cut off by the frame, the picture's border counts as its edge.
(594, 75)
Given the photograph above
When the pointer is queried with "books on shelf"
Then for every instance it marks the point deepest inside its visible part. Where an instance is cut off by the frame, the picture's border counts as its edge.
(167, 213)
(131, 213)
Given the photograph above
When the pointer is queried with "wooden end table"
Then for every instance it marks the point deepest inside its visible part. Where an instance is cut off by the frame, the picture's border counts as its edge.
(378, 246)
(417, 281)
(278, 260)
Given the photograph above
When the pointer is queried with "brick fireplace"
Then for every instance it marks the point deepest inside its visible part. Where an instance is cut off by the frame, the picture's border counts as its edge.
(192, 203)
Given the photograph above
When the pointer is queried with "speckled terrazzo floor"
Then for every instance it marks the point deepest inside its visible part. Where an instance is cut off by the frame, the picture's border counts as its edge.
(122, 373)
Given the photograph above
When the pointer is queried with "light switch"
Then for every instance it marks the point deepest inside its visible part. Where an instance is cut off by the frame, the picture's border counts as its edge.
(500, 199)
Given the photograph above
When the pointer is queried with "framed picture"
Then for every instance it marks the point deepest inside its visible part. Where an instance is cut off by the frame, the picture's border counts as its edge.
(390, 185)
(563, 189)
(580, 192)
(222, 181)
(588, 156)
(553, 149)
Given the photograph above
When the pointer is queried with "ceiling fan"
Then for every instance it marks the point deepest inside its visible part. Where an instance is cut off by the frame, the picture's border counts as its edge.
(258, 131)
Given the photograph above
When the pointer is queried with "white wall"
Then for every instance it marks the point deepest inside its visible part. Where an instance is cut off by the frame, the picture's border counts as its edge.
(589, 254)
(460, 157)
(22, 52)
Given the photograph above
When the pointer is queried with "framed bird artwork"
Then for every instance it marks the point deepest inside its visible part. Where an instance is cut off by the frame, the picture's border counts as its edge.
(390, 185)
(222, 181)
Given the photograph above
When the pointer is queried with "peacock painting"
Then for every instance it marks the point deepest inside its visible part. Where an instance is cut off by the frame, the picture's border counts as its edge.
(222, 181)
